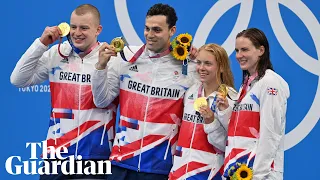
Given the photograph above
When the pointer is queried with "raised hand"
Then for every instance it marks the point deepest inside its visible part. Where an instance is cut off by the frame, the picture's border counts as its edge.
(50, 35)
(193, 53)
(105, 53)
(222, 102)
(207, 114)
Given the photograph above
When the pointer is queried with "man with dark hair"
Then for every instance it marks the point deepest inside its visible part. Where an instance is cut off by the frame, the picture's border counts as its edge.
(165, 10)
(151, 87)
(75, 122)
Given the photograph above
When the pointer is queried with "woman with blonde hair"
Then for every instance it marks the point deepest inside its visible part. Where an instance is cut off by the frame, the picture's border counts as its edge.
(202, 137)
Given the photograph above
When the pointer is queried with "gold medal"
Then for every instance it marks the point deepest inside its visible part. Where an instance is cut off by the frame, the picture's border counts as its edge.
(223, 89)
(64, 28)
(118, 44)
(202, 101)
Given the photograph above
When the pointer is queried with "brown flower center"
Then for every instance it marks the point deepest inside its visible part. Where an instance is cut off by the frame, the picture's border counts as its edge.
(243, 174)
(180, 51)
(184, 40)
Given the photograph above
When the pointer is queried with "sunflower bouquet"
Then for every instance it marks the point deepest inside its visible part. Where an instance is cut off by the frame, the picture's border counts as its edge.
(180, 46)
(240, 172)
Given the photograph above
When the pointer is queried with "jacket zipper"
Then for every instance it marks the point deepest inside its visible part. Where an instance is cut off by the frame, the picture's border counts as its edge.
(144, 119)
(193, 132)
(79, 107)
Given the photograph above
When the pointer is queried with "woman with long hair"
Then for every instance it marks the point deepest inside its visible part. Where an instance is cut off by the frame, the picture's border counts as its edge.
(256, 130)
(202, 137)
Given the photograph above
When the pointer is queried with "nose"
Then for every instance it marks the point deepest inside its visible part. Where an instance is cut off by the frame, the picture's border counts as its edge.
(239, 55)
(201, 66)
(77, 32)
(150, 34)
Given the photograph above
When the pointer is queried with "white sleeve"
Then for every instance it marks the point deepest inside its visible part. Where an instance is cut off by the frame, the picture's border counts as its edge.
(271, 129)
(216, 134)
(106, 83)
(217, 131)
(192, 73)
(224, 116)
(32, 67)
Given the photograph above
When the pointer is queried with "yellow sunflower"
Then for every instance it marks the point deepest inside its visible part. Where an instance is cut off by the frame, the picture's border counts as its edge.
(180, 52)
(243, 173)
(184, 39)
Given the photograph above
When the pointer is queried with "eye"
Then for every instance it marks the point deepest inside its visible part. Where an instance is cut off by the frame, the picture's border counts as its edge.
(157, 30)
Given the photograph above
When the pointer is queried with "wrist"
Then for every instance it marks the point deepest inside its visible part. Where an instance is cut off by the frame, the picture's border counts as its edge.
(100, 66)
(44, 42)
(209, 120)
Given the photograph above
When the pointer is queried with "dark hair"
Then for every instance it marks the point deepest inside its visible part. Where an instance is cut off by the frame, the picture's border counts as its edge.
(165, 10)
(258, 39)
(88, 8)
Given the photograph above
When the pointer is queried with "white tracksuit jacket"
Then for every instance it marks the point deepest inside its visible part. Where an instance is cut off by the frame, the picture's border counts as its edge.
(151, 104)
(200, 149)
(75, 122)
(257, 128)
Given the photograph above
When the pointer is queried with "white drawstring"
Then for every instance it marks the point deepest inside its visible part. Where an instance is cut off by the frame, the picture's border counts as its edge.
(55, 128)
(171, 135)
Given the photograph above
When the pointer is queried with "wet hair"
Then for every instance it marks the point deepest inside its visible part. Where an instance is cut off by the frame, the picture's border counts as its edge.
(88, 8)
(258, 39)
(224, 73)
(165, 10)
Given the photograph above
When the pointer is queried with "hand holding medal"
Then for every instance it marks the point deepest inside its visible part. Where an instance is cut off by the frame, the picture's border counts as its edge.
(106, 51)
(64, 31)
(51, 34)
(223, 90)
(222, 102)
(202, 101)
(118, 44)
(201, 105)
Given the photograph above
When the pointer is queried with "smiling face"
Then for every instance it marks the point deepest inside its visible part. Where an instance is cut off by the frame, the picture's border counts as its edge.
(157, 33)
(207, 67)
(84, 30)
(247, 54)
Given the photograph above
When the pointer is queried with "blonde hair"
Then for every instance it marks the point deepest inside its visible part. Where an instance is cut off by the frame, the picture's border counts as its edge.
(88, 8)
(224, 73)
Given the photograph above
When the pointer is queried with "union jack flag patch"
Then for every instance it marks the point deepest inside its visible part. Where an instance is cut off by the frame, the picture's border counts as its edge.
(272, 91)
